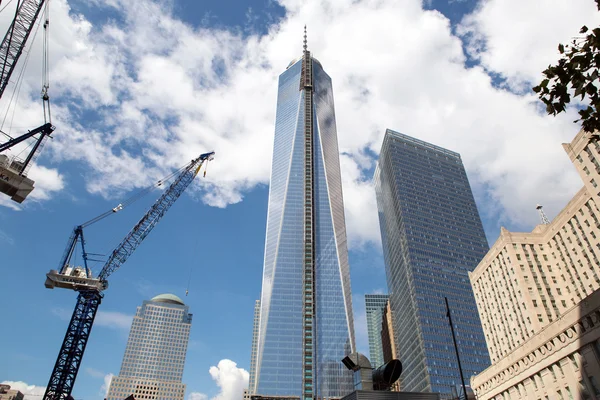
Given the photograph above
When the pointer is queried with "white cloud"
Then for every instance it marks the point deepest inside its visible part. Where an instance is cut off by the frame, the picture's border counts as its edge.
(47, 181)
(31, 392)
(113, 319)
(108, 319)
(62, 313)
(5, 201)
(161, 102)
(4, 237)
(519, 39)
(106, 385)
(197, 396)
(94, 372)
(230, 379)
(106, 379)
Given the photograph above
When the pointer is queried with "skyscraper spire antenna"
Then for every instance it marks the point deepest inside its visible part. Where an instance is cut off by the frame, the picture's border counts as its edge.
(305, 40)
(543, 216)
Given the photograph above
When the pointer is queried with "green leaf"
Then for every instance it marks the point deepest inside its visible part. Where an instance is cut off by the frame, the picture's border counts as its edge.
(583, 29)
(561, 48)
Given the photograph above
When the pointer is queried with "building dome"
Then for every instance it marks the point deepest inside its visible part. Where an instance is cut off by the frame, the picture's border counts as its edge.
(168, 298)
(295, 60)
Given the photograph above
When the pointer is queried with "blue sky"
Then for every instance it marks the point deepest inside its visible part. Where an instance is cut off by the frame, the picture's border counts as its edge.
(141, 87)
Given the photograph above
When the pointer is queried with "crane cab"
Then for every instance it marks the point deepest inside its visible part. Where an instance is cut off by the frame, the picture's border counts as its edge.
(74, 278)
(12, 183)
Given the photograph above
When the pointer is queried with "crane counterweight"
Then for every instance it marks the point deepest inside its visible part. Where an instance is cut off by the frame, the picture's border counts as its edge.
(75, 279)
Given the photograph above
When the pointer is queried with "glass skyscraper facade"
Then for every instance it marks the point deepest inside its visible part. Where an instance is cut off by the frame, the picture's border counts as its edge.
(306, 325)
(254, 353)
(432, 237)
(374, 306)
(154, 358)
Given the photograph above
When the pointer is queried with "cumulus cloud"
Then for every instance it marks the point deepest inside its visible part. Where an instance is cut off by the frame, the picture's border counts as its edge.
(197, 396)
(107, 319)
(47, 181)
(132, 109)
(113, 319)
(31, 392)
(230, 379)
(522, 52)
(94, 372)
(106, 385)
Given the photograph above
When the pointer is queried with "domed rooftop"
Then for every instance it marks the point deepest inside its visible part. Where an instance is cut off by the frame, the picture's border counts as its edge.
(295, 60)
(168, 298)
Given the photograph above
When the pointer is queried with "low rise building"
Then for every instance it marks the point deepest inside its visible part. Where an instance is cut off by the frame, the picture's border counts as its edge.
(538, 299)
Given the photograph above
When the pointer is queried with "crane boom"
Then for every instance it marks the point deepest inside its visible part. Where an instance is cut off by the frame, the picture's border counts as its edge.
(149, 221)
(90, 296)
(16, 37)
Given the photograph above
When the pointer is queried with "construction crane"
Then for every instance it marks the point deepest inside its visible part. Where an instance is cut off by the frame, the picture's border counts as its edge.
(90, 288)
(13, 170)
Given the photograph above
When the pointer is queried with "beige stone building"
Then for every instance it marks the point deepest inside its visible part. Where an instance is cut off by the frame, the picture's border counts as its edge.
(538, 299)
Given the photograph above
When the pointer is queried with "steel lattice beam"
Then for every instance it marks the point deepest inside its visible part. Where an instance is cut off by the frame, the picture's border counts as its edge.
(14, 41)
(148, 221)
(73, 346)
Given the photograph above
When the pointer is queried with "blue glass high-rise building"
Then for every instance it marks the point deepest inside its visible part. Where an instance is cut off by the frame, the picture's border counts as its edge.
(432, 237)
(306, 325)
(374, 307)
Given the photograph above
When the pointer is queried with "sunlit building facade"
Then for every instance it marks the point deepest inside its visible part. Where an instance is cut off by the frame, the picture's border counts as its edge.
(154, 358)
(306, 325)
(432, 238)
(374, 307)
(538, 295)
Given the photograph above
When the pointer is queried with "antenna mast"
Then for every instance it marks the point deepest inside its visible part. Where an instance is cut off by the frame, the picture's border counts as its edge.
(543, 216)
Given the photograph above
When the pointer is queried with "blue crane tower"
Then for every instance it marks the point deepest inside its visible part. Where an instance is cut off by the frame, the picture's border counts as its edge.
(80, 279)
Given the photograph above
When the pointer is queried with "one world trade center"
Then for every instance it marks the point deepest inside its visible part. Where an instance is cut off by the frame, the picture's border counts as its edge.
(306, 324)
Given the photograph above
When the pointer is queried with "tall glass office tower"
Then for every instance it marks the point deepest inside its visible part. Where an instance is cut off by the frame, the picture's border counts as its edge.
(306, 325)
(432, 237)
(155, 354)
(374, 307)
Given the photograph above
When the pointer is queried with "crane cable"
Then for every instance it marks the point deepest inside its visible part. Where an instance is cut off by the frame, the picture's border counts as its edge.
(45, 68)
(16, 92)
(6, 5)
(138, 195)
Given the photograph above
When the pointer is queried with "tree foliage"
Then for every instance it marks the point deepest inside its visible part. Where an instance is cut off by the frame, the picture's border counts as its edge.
(577, 72)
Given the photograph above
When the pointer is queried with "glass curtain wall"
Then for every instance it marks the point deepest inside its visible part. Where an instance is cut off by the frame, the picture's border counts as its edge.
(432, 237)
(279, 367)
